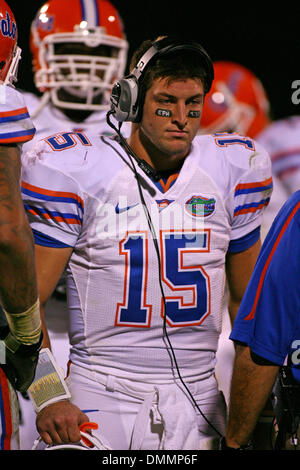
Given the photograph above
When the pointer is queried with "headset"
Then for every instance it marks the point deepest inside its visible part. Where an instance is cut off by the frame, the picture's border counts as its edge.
(127, 95)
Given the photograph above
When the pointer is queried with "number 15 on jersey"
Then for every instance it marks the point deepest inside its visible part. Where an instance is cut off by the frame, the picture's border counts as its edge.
(191, 279)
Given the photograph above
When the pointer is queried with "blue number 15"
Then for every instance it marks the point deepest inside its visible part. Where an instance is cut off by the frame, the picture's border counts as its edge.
(183, 280)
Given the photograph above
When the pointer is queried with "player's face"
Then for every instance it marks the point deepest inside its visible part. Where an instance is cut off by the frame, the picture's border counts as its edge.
(171, 116)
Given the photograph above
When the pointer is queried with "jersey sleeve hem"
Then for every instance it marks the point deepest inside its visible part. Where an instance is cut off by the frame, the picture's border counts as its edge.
(256, 347)
(245, 242)
(46, 232)
(45, 240)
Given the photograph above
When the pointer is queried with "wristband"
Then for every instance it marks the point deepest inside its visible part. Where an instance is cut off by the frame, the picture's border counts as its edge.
(25, 326)
(15, 347)
(48, 385)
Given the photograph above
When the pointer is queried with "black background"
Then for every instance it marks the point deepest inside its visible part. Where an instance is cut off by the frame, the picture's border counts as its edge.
(264, 38)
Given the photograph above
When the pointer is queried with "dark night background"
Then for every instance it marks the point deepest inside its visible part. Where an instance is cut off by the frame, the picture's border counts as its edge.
(264, 38)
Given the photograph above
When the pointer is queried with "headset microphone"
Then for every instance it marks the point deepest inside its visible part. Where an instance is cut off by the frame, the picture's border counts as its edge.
(145, 167)
(148, 170)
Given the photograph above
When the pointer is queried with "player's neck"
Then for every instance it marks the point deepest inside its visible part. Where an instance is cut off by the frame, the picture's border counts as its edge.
(146, 150)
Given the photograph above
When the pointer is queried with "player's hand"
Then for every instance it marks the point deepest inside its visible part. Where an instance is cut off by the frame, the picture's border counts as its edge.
(59, 423)
(20, 360)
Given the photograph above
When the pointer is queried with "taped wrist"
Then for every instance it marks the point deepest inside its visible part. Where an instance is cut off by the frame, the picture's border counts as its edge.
(48, 385)
(25, 327)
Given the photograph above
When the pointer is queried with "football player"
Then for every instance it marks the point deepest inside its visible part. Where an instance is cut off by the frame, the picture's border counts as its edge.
(238, 103)
(151, 227)
(20, 322)
(79, 49)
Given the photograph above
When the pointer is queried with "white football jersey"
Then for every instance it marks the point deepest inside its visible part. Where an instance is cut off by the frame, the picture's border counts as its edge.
(51, 119)
(15, 123)
(281, 139)
(81, 191)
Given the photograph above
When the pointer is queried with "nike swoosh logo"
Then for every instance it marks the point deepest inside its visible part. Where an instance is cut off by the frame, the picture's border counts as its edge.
(119, 210)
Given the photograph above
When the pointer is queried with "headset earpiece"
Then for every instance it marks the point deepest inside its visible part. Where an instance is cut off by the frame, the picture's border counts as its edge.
(124, 99)
(125, 93)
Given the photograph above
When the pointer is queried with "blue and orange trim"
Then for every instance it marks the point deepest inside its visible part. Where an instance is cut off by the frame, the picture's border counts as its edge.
(5, 413)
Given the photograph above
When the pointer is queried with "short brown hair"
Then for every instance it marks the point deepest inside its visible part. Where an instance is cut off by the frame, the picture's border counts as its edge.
(180, 63)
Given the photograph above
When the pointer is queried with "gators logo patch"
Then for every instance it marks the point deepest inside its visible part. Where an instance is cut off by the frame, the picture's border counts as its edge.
(200, 206)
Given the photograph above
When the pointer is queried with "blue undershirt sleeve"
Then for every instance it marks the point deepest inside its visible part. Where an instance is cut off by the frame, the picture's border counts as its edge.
(241, 244)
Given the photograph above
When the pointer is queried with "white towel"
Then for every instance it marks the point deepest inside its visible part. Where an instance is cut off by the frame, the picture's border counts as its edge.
(171, 407)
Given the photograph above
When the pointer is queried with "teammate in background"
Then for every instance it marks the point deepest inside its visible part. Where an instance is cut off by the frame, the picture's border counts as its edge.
(267, 328)
(79, 50)
(146, 289)
(238, 103)
(282, 140)
(20, 322)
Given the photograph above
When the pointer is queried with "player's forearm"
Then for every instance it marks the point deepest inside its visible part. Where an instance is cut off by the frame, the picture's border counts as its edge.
(18, 288)
(239, 267)
(250, 388)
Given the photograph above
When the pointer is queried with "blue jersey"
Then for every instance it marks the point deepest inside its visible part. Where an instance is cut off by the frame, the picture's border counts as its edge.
(269, 316)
